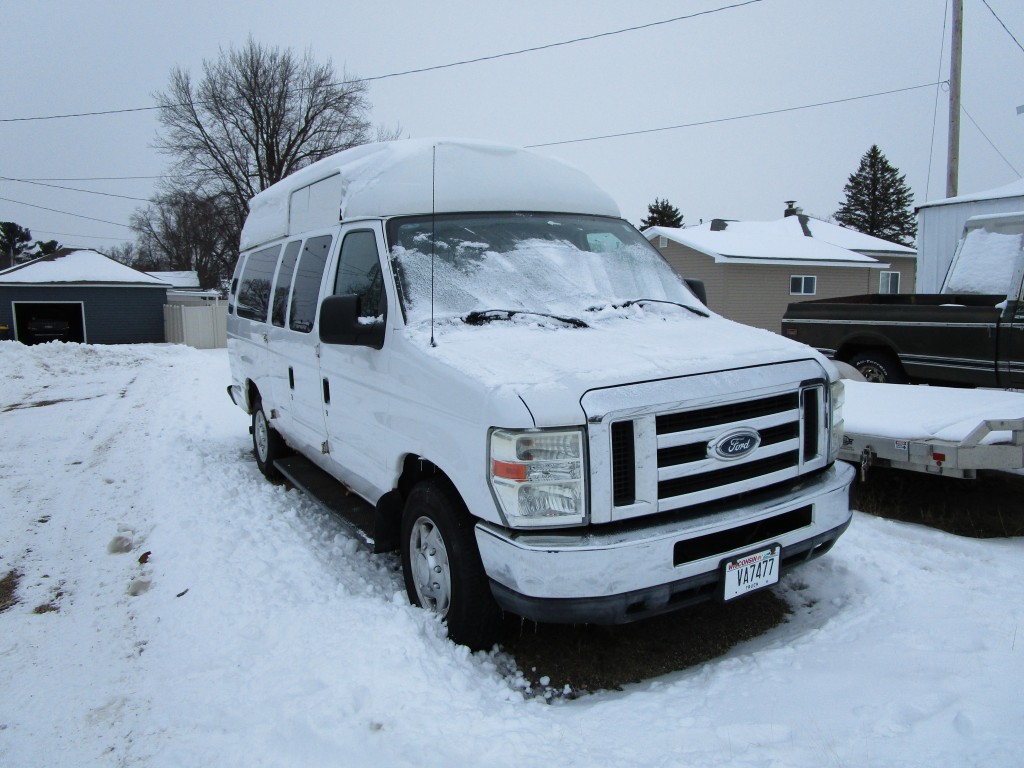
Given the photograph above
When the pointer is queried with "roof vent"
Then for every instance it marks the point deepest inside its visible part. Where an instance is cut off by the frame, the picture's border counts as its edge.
(718, 225)
(791, 209)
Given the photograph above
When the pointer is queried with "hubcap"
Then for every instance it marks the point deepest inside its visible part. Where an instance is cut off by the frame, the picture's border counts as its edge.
(872, 372)
(429, 564)
(260, 436)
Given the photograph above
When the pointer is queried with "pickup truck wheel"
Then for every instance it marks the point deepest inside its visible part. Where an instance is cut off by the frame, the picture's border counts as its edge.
(879, 367)
(442, 567)
(266, 443)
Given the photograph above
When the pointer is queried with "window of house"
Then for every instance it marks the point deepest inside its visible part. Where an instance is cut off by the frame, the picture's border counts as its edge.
(306, 287)
(889, 282)
(803, 285)
(662, 241)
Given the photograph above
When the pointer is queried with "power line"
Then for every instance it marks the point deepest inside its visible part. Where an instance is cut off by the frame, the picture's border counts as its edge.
(66, 213)
(91, 178)
(492, 57)
(990, 142)
(80, 237)
(1004, 27)
(74, 189)
(712, 121)
(733, 117)
(548, 46)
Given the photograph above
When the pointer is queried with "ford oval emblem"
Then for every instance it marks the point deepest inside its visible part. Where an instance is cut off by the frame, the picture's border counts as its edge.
(735, 444)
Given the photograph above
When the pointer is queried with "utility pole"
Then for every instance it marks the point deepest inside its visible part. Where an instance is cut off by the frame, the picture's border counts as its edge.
(956, 53)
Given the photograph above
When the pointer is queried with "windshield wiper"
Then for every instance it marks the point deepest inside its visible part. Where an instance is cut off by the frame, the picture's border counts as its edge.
(698, 312)
(481, 316)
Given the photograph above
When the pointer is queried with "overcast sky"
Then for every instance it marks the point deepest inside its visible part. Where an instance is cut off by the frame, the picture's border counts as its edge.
(66, 57)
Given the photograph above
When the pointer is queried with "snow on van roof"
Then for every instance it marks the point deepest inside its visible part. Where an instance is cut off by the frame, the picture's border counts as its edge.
(420, 176)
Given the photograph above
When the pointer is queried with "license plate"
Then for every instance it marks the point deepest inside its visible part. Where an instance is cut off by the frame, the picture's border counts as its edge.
(750, 572)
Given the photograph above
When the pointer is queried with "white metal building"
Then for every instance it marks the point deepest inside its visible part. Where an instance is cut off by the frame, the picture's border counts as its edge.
(940, 224)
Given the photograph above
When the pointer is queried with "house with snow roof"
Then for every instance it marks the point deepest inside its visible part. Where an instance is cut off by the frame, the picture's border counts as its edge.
(81, 296)
(752, 270)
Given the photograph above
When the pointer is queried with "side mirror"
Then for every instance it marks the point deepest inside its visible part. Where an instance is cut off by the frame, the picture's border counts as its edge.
(341, 323)
(698, 289)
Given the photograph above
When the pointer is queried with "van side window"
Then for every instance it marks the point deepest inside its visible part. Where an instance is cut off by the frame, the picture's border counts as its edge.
(254, 293)
(359, 273)
(233, 292)
(284, 283)
(306, 289)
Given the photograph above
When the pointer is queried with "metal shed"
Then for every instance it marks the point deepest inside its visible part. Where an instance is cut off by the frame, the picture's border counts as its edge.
(80, 296)
(940, 225)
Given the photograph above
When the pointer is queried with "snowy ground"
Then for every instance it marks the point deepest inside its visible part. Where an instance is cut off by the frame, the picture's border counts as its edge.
(255, 633)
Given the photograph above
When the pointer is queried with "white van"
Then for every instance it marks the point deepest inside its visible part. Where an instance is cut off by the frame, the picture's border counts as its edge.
(464, 350)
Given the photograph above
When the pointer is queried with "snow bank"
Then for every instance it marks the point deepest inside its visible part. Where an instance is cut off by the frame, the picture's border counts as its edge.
(255, 632)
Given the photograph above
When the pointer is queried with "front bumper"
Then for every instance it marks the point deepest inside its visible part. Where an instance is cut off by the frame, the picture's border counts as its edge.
(624, 572)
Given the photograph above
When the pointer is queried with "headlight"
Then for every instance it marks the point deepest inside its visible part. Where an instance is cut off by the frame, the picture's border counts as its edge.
(538, 477)
(837, 398)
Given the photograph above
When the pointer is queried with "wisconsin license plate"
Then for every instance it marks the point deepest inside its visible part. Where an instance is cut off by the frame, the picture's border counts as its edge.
(750, 572)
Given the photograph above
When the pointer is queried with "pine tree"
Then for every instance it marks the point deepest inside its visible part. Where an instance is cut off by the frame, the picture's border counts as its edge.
(13, 239)
(878, 200)
(661, 213)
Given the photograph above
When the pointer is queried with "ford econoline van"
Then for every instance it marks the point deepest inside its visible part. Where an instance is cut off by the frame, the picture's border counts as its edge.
(464, 350)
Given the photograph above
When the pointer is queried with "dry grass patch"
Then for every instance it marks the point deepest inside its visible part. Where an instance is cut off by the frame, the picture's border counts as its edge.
(9, 590)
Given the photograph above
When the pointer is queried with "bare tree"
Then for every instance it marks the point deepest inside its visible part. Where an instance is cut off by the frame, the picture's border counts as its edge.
(132, 255)
(187, 231)
(257, 115)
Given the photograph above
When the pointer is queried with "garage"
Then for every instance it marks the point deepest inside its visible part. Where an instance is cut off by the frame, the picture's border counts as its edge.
(80, 296)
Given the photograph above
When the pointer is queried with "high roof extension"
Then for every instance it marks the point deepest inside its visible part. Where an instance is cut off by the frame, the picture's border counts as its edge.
(420, 176)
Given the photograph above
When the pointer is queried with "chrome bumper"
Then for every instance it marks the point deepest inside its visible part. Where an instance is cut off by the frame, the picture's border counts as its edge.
(618, 573)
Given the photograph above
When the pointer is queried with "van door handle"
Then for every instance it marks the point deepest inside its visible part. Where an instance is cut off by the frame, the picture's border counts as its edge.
(327, 392)
(291, 377)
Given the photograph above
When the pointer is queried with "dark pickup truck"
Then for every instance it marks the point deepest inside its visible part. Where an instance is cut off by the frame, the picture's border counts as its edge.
(967, 335)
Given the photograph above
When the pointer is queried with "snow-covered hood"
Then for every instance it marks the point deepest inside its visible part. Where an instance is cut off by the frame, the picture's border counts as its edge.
(550, 365)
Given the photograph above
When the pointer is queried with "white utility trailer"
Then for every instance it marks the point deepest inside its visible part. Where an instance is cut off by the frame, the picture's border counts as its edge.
(938, 430)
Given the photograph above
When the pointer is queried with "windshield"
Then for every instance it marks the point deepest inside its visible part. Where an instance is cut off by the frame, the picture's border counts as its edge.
(556, 264)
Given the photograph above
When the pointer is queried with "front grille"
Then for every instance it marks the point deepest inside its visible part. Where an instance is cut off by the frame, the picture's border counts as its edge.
(742, 536)
(727, 476)
(680, 459)
(744, 411)
(623, 463)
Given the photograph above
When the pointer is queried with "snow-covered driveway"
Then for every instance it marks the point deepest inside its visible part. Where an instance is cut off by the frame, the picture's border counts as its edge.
(256, 633)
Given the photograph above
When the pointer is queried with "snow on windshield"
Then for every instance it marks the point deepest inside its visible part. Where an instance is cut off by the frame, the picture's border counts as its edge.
(560, 265)
(986, 263)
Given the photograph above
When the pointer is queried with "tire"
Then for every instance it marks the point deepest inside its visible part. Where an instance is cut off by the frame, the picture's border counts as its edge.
(267, 444)
(442, 567)
(879, 367)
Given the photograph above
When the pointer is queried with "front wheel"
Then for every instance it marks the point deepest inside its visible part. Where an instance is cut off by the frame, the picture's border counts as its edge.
(879, 367)
(442, 567)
